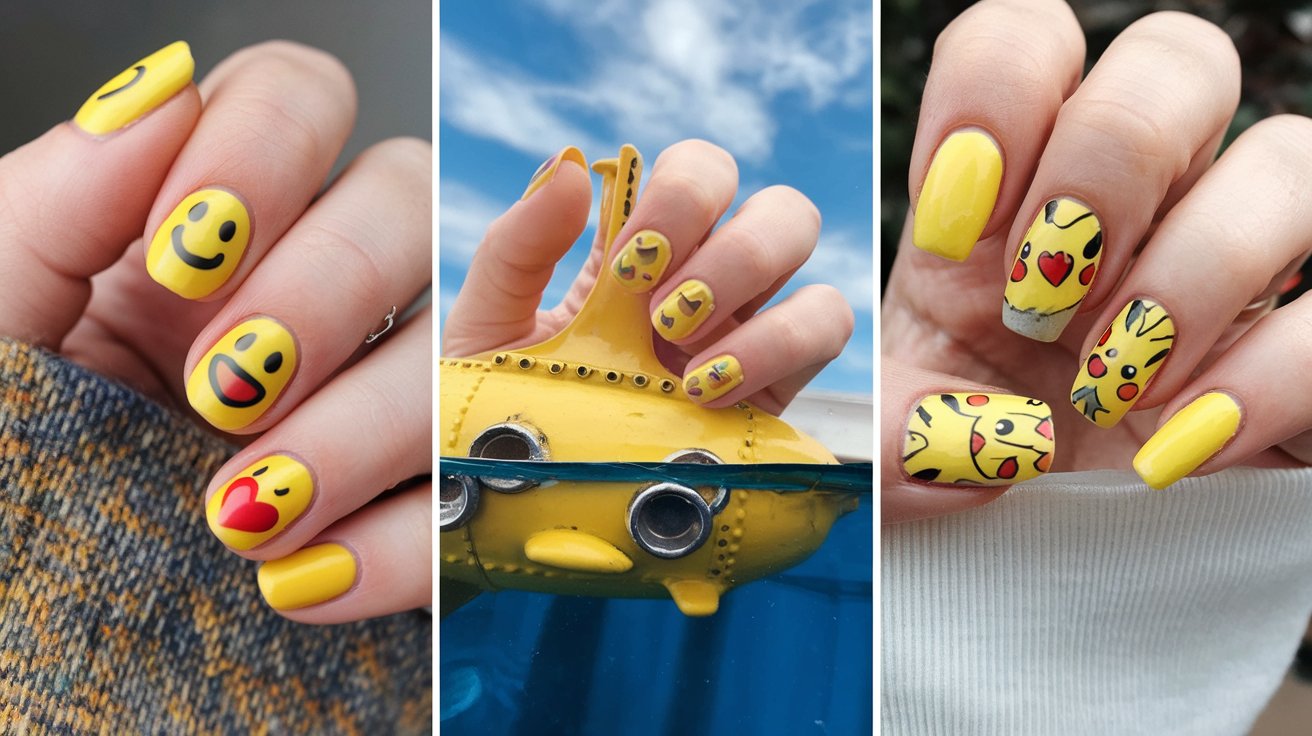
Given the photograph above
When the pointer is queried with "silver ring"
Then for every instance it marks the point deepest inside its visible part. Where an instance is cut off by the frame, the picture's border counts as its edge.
(390, 321)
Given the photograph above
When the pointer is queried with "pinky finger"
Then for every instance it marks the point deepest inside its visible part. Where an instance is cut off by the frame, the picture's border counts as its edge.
(761, 358)
(375, 562)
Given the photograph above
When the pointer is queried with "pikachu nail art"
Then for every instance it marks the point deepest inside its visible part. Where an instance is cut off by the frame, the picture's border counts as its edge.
(137, 90)
(713, 379)
(1128, 354)
(641, 261)
(684, 310)
(260, 501)
(978, 439)
(1054, 269)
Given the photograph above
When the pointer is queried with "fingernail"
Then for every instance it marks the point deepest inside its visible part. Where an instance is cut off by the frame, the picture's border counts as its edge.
(978, 439)
(639, 264)
(1188, 439)
(243, 374)
(713, 379)
(306, 577)
(137, 90)
(958, 195)
(1053, 271)
(200, 244)
(260, 501)
(547, 171)
(1127, 356)
(684, 310)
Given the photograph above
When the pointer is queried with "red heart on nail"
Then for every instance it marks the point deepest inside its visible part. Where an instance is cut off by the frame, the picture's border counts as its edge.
(242, 512)
(1056, 266)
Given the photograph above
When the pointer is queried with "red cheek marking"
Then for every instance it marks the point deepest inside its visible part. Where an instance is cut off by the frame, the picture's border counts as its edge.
(1127, 391)
(1008, 468)
(1097, 368)
(1087, 274)
(977, 399)
(1018, 271)
(1044, 462)
(1045, 428)
(976, 443)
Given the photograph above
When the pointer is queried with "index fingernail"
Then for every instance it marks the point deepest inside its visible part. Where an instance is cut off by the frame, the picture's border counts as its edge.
(958, 195)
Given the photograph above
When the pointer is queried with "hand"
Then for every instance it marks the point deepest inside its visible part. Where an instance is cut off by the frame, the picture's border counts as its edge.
(1090, 214)
(248, 300)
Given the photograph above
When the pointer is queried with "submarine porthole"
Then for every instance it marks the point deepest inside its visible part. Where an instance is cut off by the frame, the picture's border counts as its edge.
(699, 456)
(508, 442)
(669, 520)
(457, 500)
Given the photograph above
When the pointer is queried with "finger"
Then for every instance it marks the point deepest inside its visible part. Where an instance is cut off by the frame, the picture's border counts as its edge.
(376, 562)
(367, 430)
(72, 200)
(1215, 252)
(498, 301)
(276, 117)
(1155, 104)
(363, 247)
(950, 445)
(801, 334)
(990, 100)
(771, 235)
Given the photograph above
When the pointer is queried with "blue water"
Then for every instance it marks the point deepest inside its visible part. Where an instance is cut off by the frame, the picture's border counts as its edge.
(789, 655)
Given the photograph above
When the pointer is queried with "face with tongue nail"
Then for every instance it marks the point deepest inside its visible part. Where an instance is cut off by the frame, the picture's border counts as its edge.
(259, 501)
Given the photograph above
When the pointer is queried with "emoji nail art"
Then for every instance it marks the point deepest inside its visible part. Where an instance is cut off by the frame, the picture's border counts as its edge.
(713, 379)
(1054, 269)
(684, 310)
(243, 374)
(641, 261)
(547, 171)
(200, 244)
(260, 501)
(978, 439)
(1128, 354)
(306, 577)
(137, 90)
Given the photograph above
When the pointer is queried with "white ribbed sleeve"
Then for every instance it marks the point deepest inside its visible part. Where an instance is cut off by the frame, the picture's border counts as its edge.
(1084, 603)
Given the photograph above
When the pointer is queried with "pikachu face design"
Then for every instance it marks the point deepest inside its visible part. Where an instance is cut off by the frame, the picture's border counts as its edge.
(978, 439)
(1053, 271)
(1127, 356)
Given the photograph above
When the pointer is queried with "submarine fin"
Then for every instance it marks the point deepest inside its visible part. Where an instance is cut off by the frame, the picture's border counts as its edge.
(453, 594)
(694, 597)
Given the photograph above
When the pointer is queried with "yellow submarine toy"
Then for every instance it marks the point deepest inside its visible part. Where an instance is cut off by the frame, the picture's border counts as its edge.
(596, 393)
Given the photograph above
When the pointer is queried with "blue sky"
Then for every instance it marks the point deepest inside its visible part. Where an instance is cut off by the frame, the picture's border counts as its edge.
(784, 85)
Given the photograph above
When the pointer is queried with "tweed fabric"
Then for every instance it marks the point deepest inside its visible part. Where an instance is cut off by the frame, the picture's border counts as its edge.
(121, 613)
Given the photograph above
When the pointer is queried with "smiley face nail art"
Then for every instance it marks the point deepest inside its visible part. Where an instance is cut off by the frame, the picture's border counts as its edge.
(713, 379)
(261, 501)
(978, 439)
(642, 260)
(199, 245)
(684, 310)
(243, 374)
(1053, 271)
(137, 90)
(1127, 356)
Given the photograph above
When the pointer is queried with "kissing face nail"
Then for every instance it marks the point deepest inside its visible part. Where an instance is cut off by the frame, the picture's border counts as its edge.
(1053, 271)
(978, 439)
(199, 245)
(261, 501)
(243, 374)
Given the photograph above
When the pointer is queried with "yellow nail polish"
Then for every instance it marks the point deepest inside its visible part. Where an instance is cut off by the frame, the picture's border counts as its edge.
(243, 374)
(713, 379)
(642, 260)
(684, 310)
(1188, 439)
(309, 576)
(547, 171)
(958, 195)
(199, 245)
(260, 501)
(1053, 271)
(1129, 353)
(137, 90)
(978, 439)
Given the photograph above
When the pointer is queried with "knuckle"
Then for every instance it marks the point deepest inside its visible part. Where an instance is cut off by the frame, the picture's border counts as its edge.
(839, 320)
(689, 198)
(756, 262)
(791, 201)
(1127, 126)
(291, 60)
(1285, 143)
(343, 260)
(704, 153)
(410, 158)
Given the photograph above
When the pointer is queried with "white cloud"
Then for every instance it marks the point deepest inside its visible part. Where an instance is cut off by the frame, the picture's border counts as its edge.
(466, 213)
(844, 261)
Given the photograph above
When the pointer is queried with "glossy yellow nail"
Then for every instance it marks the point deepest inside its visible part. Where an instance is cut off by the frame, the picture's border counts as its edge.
(1129, 353)
(958, 195)
(1188, 439)
(639, 264)
(1053, 271)
(547, 171)
(713, 379)
(684, 310)
(260, 501)
(199, 245)
(306, 577)
(978, 439)
(137, 90)
(243, 374)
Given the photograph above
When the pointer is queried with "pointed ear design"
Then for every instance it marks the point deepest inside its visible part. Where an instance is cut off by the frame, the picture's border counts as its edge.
(1136, 313)
(1049, 211)
(927, 474)
(1094, 245)
(1157, 357)
(951, 402)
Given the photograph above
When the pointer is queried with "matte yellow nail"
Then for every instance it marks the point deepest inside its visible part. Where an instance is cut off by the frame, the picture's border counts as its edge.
(639, 264)
(243, 374)
(1127, 356)
(684, 310)
(547, 171)
(713, 379)
(137, 90)
(260, 501)
(1188, 439)
(306, 577)
(1053, 271)
(199, 245)
(978, 439)
(958, 195)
